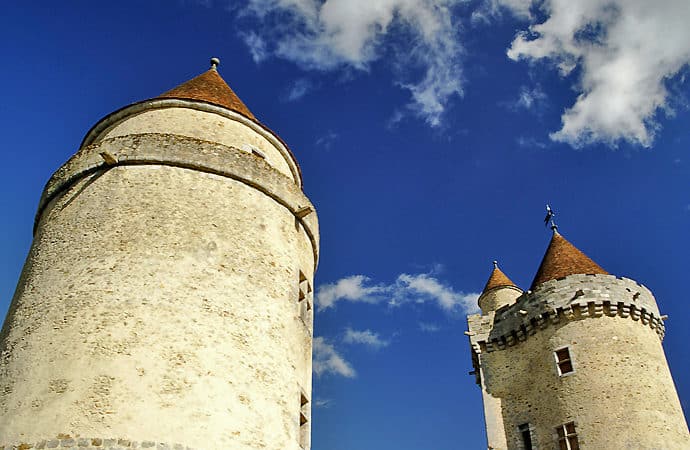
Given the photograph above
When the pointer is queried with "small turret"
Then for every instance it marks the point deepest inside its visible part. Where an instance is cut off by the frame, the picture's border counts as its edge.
(498, 291)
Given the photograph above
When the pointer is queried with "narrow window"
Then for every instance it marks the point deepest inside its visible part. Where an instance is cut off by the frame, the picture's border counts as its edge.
(304, 426)
(567, 437)
(563, 361)
(526, 436)
(304, 300)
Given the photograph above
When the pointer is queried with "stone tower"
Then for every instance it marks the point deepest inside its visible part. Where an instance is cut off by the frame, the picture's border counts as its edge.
(167, 297)
(574, 362)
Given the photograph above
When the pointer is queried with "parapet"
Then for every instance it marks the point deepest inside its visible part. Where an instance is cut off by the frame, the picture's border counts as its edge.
(573, 297)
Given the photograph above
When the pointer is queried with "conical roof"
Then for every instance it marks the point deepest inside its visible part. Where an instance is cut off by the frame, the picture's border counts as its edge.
(211, 88)
(562, 259)
(497, 279)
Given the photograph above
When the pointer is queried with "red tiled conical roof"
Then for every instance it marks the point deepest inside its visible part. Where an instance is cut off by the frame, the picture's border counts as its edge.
(210, 87)
(562, 259)
(497, 279)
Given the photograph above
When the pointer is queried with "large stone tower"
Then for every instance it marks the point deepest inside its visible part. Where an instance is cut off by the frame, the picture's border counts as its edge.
(167, 297)
(575, 362)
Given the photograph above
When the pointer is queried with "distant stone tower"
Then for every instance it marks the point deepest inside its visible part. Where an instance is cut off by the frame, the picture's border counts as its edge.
(576, 362)
(167, 297)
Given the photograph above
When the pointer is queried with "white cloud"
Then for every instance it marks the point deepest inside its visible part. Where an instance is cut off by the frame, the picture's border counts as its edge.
(625, 50)
(327, 360)
(423, 287)
(351, 288)
(323, 403)
(256, 45)
(365, 337)
(326, 141)
(492, 9)
(298, 89)
(530, 98)
(416, 288)
(530, 142)
(429, 327)
(417, 36)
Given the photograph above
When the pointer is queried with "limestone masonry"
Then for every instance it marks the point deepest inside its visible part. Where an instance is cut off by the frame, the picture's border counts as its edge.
(576, 362)
(166, 301)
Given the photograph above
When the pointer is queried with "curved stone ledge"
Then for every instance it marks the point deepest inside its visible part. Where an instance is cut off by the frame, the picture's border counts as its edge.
(574, 297)
(187, 153)
(65, 442)
(157, 103)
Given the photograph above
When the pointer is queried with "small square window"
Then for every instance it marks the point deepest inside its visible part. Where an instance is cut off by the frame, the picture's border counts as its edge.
(567, 437)
(564, 361)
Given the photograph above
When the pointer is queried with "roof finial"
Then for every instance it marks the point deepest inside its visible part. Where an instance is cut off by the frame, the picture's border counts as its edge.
(495, 264)
(214, 63)
(554, 227)
(550, 214)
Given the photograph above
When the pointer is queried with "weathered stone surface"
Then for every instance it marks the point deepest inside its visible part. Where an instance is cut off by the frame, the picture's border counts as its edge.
(159, 301)
(620, 394)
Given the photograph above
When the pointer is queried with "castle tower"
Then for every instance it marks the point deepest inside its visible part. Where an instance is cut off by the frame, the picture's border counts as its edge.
(498, 291)
(576, 362)
(167, 297)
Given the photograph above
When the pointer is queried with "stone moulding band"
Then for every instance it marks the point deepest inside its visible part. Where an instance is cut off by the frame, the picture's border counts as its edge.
(136, 108)
(65, 442)
(574, 311)
(187, 153)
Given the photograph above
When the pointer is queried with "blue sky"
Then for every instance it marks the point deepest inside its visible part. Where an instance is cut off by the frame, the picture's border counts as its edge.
(431, 133)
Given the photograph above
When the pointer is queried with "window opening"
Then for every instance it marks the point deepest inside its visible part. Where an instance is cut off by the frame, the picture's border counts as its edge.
(564, 361)
(526, 436)
(567, 437)
(305, 300)
(304, 426)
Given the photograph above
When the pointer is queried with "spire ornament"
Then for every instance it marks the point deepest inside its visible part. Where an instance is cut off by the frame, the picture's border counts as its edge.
(215, 62)
(550, 214)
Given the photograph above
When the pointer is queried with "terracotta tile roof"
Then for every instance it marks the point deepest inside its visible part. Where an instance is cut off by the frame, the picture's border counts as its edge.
(497, 279)
(210, 87)
(562, 259)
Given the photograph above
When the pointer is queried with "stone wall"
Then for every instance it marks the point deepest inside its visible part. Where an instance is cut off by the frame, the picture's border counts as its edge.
(620, 394)
(65, 442)
(159, 301)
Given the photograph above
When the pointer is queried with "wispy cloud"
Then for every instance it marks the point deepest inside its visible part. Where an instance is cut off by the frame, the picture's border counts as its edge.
(415, 288)
(419, 37)
(365, 337)
(298, 89)
(626, 52)
(323, 403)
(353, 289)
(529, 98)
(429, 327)
(530, 142)
(326, 360)
(256, 45)
(326, 141)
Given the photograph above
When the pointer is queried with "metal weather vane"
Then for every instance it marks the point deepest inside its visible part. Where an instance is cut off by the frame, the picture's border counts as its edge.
(550, 214)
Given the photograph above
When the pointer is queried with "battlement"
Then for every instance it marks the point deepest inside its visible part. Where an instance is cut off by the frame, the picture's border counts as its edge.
(573, 297)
